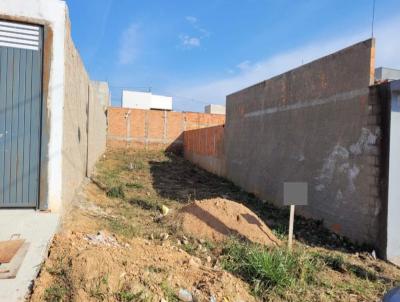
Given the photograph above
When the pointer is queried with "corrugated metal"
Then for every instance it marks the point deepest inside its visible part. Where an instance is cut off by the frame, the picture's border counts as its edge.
(19, 35)
(20, 122)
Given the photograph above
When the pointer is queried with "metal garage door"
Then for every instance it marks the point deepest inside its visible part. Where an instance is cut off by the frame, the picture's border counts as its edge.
(20, 113)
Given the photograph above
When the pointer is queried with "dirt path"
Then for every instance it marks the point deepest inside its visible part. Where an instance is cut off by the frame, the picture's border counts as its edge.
(115, 245)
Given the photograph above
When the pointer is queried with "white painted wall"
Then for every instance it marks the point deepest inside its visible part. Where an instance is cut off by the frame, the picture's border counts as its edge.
(53, 13)
(215, 109)
(161, 102)
(136, 99)
(145, 100)
(393, 240)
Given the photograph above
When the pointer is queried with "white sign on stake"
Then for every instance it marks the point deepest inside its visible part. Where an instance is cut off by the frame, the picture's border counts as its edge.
(294, 193)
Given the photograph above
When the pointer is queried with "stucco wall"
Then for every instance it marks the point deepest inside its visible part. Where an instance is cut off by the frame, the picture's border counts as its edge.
(156, 129)
(205, 148)
(316, 124)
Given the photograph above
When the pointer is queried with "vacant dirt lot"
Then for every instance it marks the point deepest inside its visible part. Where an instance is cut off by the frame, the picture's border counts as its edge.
(116, 244)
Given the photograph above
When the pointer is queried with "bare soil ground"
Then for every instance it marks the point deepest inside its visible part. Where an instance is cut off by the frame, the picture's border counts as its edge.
(115, 245)
(218, 219)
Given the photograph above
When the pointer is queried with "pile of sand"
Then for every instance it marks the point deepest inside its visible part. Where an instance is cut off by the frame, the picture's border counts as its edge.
(217, 219)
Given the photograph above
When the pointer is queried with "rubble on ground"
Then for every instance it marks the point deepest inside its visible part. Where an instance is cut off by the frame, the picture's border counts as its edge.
(101, 238)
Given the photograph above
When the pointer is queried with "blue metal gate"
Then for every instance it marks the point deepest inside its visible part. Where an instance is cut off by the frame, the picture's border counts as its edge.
(20, 113)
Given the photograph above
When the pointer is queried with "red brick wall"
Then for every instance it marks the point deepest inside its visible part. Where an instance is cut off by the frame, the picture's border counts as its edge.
(154, 129)
(207, 141)
(205, 147)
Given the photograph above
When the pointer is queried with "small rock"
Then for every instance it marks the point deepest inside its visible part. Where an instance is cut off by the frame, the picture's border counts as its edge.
(164, 210)
(178, 242)
(353, 298)
(373, 254)
(209, 259)
(164, 236)
(185, 295)
(213, 299)
(152, 236)
(194, 262)
(158, 217)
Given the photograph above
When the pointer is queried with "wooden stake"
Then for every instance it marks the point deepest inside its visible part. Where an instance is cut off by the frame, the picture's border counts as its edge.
(291, 222)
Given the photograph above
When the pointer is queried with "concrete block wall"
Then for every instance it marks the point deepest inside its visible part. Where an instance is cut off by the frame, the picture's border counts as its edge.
(76, 105)
(320, 124)
(85, 120)
(99, 97)
(154, 129)
(205, 148)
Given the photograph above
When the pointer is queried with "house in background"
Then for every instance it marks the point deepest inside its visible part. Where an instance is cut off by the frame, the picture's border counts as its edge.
(386, 74)
(215, 109)
(145, 100)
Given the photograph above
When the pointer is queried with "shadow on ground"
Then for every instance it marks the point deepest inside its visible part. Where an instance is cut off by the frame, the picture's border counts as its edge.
(179, 180)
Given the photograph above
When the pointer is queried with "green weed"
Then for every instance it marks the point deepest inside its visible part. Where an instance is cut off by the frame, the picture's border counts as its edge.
(169, 293)
(55, 293)
(335, 262)
(269, 269)
(99, 289)
(128, 296)
(146, 204)
(134, 185)
(116, 192)
(121, 228)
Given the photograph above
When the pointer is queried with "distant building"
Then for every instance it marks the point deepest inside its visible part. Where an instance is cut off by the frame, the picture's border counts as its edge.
(390, 74)
(215, 109)
(145, 100)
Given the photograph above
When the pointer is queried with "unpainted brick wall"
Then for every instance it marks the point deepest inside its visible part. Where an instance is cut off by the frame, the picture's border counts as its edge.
(207, 141)
(205, 147)
(154, 129)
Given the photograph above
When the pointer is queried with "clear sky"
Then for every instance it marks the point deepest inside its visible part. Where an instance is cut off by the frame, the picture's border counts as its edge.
(200, 51)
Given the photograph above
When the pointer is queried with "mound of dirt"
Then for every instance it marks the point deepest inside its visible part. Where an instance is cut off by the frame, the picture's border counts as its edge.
(144, 271)
(217, 219)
